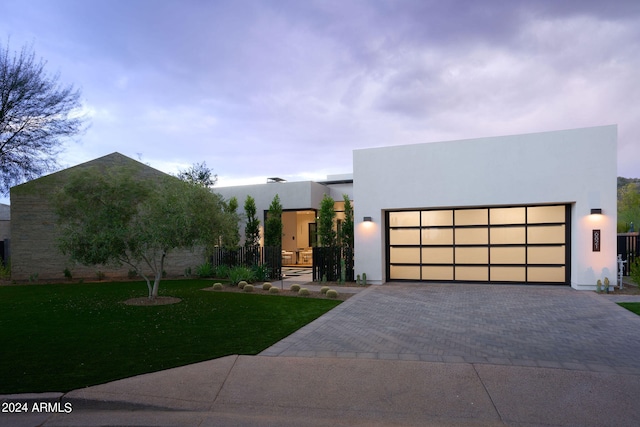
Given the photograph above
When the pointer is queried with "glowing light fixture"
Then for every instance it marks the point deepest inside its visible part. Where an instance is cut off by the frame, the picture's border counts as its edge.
(596, 211)
(367, 219)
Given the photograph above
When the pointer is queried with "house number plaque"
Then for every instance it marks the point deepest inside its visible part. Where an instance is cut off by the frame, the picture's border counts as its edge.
(596, 240)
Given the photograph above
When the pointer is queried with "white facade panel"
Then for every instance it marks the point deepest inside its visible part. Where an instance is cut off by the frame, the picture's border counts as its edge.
(576, 167)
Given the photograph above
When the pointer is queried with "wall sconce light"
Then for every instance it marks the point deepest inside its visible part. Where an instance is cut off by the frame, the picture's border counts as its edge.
(367, 219)
(596, 211)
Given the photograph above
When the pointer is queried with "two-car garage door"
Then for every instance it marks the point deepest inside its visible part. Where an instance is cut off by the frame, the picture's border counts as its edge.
(525, 244)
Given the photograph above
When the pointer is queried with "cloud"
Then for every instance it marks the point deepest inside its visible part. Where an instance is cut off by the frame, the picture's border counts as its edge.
(289, 88)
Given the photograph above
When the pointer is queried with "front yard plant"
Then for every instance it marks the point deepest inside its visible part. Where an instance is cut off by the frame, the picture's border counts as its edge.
(66, 336)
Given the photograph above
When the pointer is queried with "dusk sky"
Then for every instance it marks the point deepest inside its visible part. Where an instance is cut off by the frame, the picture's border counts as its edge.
(260, 89)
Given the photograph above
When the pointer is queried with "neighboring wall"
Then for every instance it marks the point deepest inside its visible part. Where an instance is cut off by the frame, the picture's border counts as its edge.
(5, 221)
(34, 230)
(576, 166)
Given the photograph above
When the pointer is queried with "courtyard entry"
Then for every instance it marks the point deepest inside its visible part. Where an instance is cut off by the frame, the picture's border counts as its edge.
(515, 244)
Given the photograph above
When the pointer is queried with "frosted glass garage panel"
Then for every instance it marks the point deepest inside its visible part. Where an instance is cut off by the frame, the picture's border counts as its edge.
(437, 272)
(437, 218)
(437, 255)
(508, 235)
(437, 236)
(546, 255)
(546, 234)
(400, 255)
(472, 255)
(508, 255)
(472, 273)
(540, 214)
(545, 274)
(404, 219)
(471, 217)
(499, 216)
(472, 236)
(508, 274)
(405, 272)
(406, 236)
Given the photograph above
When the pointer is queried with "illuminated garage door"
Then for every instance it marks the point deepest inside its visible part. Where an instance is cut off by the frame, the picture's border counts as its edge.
(524, 244)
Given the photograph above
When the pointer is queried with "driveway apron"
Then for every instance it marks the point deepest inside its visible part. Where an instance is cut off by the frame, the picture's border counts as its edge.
(521, 325)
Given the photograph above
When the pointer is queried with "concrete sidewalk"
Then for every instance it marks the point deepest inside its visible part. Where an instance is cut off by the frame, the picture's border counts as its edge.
(285, 391)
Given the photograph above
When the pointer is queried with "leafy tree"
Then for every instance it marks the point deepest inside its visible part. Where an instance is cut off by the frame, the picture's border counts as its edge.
(273, 227)
(252, 228)
(346, 231)
(199, 174)
(36, 114)
(231, 237)
(117, 217)
(326, 220)
(628, 207)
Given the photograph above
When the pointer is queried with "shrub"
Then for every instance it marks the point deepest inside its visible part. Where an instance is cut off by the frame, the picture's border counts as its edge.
(131, 274)
(5, 270)
(304, 292)
(238, 274)
(67, 274)
(260, 273)
(248, 288)
(266, 286)
(221, 271)
(635, 272)
(324, 289)
(294, 288)
(274, 290)
(242, 284)
(100, 275)
(217, 286)
(332, 293)
(204, 270)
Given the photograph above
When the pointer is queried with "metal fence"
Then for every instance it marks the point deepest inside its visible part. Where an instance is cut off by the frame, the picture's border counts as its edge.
(629, 249)
(327, 264)
(269, 257)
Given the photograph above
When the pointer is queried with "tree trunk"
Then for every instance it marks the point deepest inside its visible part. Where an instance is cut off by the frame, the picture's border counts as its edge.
(156, 282)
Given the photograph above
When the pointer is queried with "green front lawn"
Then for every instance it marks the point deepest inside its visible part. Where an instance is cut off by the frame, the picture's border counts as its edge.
(67, 336)
(631, 306)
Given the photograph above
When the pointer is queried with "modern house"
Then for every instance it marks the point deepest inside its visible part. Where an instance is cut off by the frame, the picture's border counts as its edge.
(533, 209)
(537, 208)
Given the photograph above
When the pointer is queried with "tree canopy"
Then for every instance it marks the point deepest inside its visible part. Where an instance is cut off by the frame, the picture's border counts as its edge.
(36, 114)
(199, 174)
(273, 226)
(252, 227)
(326, 220)
(628, 207)
(116, 217)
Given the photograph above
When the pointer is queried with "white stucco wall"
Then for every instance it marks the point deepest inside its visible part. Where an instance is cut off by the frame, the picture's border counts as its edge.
(575, 166)
(293, 195)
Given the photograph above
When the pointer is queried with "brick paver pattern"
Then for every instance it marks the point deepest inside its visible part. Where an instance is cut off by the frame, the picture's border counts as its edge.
(543, 326)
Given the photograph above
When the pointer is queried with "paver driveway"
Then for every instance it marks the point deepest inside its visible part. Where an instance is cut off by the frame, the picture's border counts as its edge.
(544, 326)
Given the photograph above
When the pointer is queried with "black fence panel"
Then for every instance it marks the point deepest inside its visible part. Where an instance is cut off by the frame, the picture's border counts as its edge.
(269, 257)
(629, 249)
(327, 264)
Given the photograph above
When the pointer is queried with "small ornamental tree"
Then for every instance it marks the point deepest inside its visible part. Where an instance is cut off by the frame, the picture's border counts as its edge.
(326, 221)
(252, 227)
(346, 231)
(273, 227)
(231, 237)
(117, 217)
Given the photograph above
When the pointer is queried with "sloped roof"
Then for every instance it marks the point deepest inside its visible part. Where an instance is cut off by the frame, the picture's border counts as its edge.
(114, 159)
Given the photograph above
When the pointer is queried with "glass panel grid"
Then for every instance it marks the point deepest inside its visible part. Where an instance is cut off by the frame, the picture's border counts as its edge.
(472, 235)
